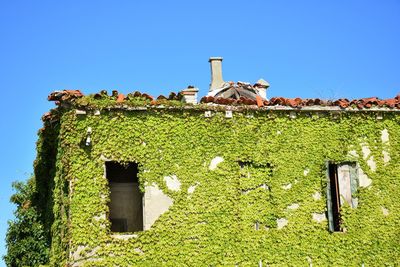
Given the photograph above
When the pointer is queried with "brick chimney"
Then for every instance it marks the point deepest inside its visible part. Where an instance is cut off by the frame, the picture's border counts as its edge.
(216, 73)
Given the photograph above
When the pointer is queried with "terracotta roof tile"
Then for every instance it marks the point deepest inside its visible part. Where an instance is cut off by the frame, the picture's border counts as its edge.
(238, 96)
(64, 95)
(260, 101)
(161, 97)
(120, 98)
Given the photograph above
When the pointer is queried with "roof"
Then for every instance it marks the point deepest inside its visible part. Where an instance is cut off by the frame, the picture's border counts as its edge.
(362, 103)
(231, 90)
(239, 94)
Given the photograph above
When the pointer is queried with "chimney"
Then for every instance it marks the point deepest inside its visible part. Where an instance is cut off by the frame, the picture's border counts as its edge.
(216, 73)
(262, 86)
(190, 95)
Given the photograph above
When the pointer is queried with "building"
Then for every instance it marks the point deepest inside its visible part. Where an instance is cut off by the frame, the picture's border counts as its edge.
(235, 180)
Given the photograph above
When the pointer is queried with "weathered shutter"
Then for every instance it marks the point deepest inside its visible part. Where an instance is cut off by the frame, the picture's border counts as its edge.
(344, 183)
(354, 183)
(329, 199)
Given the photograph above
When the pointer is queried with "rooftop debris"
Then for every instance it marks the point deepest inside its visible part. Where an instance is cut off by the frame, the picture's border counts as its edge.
(235, 91)
(235, 94)
(64, 95)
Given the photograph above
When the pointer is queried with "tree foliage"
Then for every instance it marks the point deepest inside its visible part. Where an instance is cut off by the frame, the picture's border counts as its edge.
(26, 240)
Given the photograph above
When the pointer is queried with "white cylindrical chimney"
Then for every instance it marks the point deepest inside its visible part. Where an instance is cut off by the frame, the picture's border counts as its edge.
(262, 86)
(216, 73)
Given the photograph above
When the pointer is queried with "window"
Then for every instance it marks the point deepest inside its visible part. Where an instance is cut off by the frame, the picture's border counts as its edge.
(125, 206)
(254, 181)
(342, 184)
(255, 175)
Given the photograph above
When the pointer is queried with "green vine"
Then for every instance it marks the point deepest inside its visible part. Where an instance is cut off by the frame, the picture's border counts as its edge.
(232, 216)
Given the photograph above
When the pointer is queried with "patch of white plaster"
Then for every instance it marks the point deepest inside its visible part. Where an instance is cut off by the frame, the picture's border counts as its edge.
(353, 153)
(294, 206)
(192, 188)
(306, 172)
(214, 163)
(371, 163)
(101, 217)
(386, 156)
(156, 203)
(385, 211)
(316, 196)
(365, 150)
(364, 180)
(282, 222)
(80, 112)
(385, 136)
(319, 217)
(77, 254)
(264, 186)
(287, 186)
(138, 250)
(309, 261)
(103, 158)
(83, 253)
(354, 202)
(172, 183)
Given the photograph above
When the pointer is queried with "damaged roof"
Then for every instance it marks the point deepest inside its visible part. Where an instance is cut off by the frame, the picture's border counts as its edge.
(231, 90)
(362, 103)
(239, 94)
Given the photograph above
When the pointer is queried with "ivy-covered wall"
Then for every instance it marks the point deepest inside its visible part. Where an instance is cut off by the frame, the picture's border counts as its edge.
(262, 212)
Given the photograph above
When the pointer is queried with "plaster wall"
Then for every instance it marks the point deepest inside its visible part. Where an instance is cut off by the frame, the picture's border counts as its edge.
(155, 204)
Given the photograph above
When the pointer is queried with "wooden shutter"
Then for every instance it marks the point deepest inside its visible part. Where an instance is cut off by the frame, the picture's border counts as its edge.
(354, 184)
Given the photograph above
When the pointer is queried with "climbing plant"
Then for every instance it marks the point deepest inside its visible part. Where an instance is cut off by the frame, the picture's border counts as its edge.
(256, 206)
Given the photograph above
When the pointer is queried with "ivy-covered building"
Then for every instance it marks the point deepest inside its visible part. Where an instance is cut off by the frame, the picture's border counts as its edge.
(234, 180)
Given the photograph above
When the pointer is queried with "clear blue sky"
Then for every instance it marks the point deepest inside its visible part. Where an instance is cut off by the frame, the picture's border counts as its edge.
(325, 49)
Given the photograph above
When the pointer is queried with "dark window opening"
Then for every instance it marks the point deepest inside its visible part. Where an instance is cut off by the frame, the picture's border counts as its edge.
(335, 197)
(243, 164)
(254, 176)
(126, 203)
(244, 168)
(247, 166)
